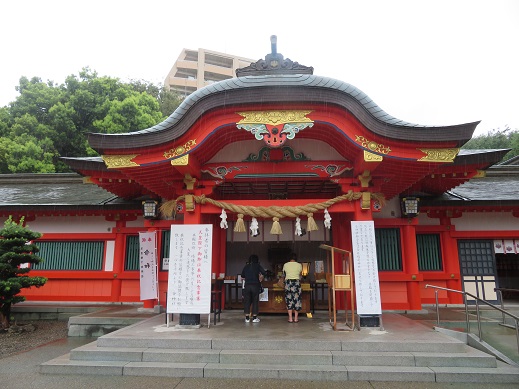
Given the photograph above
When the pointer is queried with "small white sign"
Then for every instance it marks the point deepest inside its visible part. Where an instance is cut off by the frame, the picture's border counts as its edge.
(148, 266)
(367, 288)
(165, 263)
(189, 276)
(265, 295)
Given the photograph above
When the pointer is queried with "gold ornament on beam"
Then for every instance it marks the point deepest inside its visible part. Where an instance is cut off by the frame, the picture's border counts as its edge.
(311, 226)
(439, 155)
(276, 227)
(119, 161)
(240, 225)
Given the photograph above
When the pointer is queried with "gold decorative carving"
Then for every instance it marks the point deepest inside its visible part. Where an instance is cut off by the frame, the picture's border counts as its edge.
(439, 155)
(365, 202)
(480, 174)
(365, 178)
(371, 157)
(190, 203)
(189, 181)
(119, 161)
(372, 145)
(179, 150)
(274, 117)
(182, 161)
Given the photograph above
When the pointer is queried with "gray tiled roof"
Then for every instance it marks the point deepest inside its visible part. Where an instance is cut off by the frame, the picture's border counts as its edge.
(490, 189)
(52, 190)
(500, 186)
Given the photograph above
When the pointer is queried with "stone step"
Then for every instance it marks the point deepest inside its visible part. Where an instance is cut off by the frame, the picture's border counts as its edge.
(159, 343)
(453, 346)
(500, 374)
(471, 358)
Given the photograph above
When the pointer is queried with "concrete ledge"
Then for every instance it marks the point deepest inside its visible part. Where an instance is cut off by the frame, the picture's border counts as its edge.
(390, 373)
(502, 375)
(66, 366)
(182, 356)
(373, 359)
(92, 326)
(276, 357)
(159, 369)
(314, 373)
(91, 352)
(219, 370)
(276, 344)
(443, 347)
(158, 343)
(472, 358)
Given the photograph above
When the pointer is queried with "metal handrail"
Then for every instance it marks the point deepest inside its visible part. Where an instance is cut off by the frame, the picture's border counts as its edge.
(500, 298)
(478, 300)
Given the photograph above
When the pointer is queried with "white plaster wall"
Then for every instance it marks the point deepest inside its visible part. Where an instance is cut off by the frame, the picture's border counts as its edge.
(72, 224)
(110, 255)
(425, 220)
(139, 222)
(483, 221)
(390, 210)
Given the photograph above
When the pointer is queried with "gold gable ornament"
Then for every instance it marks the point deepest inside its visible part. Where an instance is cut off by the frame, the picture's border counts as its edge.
(119, 161)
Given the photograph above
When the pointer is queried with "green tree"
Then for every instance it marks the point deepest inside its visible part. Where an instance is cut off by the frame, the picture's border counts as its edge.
(507, 138)
(135, 112)
(16, 249)
(48, 121)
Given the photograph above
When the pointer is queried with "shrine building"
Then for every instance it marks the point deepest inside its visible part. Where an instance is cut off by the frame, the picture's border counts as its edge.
(297, 157)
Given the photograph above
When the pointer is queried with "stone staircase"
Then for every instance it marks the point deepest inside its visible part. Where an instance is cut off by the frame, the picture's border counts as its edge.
(267, 353)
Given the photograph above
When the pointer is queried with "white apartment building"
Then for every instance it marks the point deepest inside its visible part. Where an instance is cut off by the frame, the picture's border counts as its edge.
(195, 69)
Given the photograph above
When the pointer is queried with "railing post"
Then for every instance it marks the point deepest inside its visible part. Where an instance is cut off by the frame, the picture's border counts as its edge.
(478, 316)
(467, 321)
(517, 333)
(500, 297)
(479, 319)
(437, 308)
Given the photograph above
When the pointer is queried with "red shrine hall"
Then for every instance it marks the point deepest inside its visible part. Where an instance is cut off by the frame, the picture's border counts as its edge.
(279, 160)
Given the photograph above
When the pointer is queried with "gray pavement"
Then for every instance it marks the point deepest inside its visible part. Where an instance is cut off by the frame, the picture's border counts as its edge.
(22, 371)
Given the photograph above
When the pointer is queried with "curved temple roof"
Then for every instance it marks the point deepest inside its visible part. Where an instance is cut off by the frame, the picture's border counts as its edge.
(280, 86)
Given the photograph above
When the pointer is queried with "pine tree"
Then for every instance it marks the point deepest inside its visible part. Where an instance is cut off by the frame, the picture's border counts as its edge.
(16, 249)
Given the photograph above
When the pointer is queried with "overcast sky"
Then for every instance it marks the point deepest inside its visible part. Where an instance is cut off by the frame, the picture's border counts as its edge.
(427, 62)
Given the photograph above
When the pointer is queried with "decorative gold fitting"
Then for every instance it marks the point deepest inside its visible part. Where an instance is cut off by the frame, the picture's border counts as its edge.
(190, 203)
(365, 202)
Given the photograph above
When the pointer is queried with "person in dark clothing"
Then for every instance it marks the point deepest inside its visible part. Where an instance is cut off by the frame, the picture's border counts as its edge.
(251, 289)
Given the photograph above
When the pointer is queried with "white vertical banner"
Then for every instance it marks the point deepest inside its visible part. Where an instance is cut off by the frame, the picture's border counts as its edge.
(148, 265)
(509, 246)
(499, 247)
(189, 274)
(367, 287)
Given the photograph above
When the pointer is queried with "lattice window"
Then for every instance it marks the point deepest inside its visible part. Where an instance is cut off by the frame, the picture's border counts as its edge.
(476, 257)
(429, 252)
(164, 251)
(70, 255)
(131, 260)
(389, 253)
